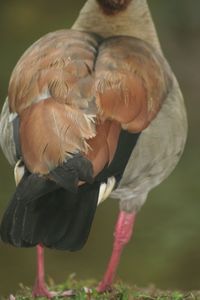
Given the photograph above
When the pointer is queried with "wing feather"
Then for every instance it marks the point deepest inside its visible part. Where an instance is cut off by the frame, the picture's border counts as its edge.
(75, 91)
(132, 81)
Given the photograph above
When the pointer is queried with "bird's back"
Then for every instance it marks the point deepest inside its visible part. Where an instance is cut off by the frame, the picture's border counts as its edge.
(77, 104)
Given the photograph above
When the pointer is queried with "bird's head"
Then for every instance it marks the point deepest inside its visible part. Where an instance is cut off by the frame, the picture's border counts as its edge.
(111, 7)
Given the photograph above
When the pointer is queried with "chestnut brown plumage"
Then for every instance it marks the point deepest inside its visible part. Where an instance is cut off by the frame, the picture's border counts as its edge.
(90, 111)
(118, 79)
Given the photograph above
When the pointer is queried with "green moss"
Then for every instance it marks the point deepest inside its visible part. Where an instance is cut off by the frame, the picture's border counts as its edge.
(120, 291)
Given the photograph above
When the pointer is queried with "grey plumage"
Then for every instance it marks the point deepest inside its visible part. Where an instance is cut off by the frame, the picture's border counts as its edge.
(7, 135)
(156, 154)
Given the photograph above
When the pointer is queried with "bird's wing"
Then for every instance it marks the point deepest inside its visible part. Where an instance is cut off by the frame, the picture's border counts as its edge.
(51, 91)
(132, 81)
(77, 103)
(74, 92)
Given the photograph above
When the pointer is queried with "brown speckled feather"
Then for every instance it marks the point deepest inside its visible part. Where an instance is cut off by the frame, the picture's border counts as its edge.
(59, 131)
(57, 65)
(132, 82)
(74, 91)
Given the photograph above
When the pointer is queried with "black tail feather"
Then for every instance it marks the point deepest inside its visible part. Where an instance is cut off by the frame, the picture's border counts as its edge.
(70, 172)
(42, 212)
(80, 219)
(30, 188)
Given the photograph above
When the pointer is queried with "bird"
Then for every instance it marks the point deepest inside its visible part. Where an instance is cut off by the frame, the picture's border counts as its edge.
(93, 112)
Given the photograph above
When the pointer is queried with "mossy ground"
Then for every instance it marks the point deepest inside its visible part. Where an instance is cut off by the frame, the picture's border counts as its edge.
(120, 291)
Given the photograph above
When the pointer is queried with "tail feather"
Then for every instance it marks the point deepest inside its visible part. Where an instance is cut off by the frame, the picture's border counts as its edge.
(81, 219)
(30, 188)
(70, 172)
(46, 219)
(42, 212)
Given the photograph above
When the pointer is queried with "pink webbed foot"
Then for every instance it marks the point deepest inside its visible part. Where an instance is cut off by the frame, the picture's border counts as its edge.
(122, 235)
(40, 290)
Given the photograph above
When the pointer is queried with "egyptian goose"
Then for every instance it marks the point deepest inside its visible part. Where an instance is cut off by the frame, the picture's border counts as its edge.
(92, 112)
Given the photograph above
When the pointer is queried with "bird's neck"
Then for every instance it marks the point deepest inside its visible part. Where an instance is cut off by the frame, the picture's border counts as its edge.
(135, 21)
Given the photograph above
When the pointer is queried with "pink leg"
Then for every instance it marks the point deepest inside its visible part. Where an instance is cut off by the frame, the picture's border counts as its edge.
(122, 235)
(40, 288)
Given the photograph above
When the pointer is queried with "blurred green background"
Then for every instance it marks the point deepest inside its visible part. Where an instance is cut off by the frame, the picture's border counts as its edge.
(165, 248)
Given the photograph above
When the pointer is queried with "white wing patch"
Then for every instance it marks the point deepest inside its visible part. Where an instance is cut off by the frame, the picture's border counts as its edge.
(106, 189)
(12, 116)
(19, 171)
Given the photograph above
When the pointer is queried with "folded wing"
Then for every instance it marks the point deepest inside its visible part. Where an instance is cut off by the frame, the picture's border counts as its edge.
(77, 103)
